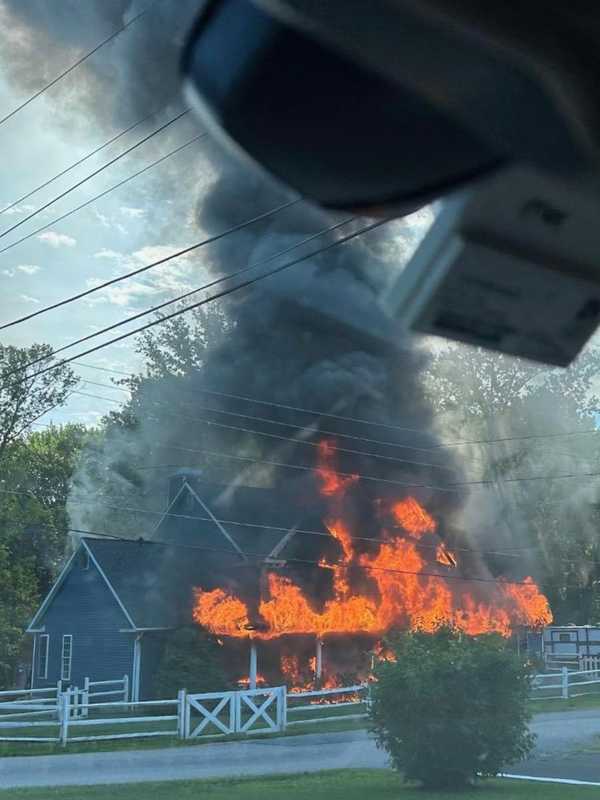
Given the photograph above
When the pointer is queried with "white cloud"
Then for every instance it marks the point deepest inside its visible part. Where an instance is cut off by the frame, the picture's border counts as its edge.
(22, 209)
(121, 294)
(102, 218)
(57, 239)
(28, 269)
(9, 273)
(107, 253)
(132, 213)
(29, 299)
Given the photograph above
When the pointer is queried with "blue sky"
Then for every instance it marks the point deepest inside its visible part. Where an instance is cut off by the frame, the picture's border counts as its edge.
(142, 221)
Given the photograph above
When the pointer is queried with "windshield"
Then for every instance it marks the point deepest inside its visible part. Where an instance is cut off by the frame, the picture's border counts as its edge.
(254, 540)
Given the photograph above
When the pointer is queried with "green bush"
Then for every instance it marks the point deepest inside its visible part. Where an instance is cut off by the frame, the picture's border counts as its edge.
(191, 659)
(451, 707)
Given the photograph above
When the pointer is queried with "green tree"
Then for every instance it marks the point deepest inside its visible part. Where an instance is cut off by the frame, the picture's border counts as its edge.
(451, 707)
(25, 396)
(34, 485)
(527, 437)
(191, 659)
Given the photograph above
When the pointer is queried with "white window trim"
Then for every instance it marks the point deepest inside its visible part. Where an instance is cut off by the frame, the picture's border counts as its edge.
(63, 676)
(46, 638)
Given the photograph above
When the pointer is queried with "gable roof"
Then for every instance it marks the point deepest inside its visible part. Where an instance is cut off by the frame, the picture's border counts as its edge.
(207, 533)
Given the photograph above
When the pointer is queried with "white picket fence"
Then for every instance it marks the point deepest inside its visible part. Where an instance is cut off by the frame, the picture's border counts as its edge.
(76, 716)
(351, 698)
(566, 683)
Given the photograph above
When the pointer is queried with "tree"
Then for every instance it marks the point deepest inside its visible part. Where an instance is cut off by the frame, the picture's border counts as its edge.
(527, 435)
(191, 659)
(35, 477)
(451, 707)
(26, 396)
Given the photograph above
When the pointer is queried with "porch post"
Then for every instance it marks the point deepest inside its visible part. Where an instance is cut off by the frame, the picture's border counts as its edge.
(253, 665)
(318, 660)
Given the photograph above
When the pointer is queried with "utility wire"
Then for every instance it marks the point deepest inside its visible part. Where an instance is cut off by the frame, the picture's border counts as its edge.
(108, 191)
(516, 552)
(74, 66)
(295, 441)
(153, 264)
(211, 298)
(304, 429)
(184, 296)
(87, 178)
(77, 163)
(449, 487)
(372, 423)
(314, 562)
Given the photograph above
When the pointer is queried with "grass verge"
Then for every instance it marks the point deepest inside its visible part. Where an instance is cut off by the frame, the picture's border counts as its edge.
(332, 785)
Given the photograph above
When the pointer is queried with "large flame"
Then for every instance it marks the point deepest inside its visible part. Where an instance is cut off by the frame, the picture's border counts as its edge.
(412, 585)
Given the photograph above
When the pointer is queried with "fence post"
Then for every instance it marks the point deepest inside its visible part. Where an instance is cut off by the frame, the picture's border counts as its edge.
(75, 695)
(283, 711)
(565, 683)
(86, 697)
(126, 688)
(181, 704)
(64, 717)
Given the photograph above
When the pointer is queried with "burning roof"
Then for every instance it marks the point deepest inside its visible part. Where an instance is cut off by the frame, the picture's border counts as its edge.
(406, 576)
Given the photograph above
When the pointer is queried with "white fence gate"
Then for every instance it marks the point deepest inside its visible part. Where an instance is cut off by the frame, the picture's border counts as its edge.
(245, 711)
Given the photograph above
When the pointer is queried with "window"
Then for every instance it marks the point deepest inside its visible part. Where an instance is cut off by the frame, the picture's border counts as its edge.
(564, 637)
(42, 660)
(67, 654)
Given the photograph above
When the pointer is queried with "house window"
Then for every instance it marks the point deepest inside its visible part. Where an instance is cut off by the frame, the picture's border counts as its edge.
(564, 637)
(42, 661)
(66, 656)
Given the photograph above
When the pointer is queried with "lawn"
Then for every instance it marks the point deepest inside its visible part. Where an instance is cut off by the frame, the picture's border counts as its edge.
(572, 704)
(49, 748)
(333, 785)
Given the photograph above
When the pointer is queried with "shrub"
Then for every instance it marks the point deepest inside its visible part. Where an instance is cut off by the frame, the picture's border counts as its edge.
(191, 659)
(451, 706)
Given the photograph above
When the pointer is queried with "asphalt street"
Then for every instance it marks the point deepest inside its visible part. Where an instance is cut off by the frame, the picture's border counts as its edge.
(562, 751)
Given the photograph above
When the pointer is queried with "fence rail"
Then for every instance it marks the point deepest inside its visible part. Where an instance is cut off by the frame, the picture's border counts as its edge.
(83, 715)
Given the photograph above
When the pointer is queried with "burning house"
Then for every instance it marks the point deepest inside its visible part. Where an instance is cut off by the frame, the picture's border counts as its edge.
(306, 605)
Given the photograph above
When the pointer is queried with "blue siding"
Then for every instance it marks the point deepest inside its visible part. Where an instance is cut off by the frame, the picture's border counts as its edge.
(85, 607)
(152, 648)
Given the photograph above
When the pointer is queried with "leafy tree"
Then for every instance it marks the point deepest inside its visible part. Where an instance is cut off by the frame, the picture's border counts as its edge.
(26, 396)
(34, 482)
(451, 707)
(191, 659)
(520, 425)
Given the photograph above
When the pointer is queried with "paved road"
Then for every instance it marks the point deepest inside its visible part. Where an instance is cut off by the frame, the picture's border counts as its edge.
(558, 736)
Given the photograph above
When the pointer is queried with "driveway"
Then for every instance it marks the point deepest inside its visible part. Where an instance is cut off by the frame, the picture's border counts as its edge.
(561, 739)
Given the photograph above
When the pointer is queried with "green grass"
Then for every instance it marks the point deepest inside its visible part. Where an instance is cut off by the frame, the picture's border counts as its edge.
(333, 785)
(572, 704)
(8, 749)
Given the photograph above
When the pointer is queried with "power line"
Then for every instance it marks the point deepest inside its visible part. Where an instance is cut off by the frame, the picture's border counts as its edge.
(218, 295)
(107, 191)
(87, 178)
(153, 264)
(314, 562)
(184, 296)
(301, 428)
(295, 441)
(78, 163)
(74, 66)
(273, 404)
(517, 552)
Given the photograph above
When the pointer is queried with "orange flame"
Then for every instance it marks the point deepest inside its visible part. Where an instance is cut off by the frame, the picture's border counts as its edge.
(412, 517)
(402, 587)
(332, 482)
